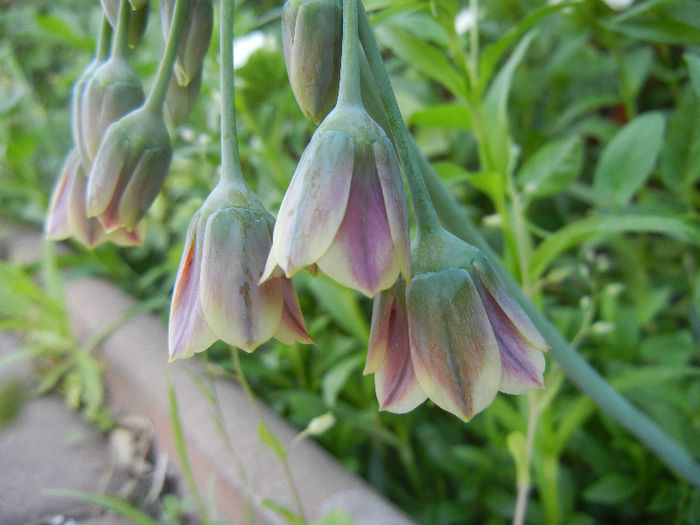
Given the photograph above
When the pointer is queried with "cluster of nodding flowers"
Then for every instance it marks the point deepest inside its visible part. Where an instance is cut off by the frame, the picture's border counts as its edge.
(443, 325)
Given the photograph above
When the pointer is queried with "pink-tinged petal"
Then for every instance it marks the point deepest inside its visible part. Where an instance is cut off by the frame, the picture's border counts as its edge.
(389, 355)
(188, 331)
(362, 253)
(292, 327)
(394, 203)
(57, 225)
(454, 351)
(314, 205)
(239, 310)
(523, 365)
(124, 237)
(272, 269)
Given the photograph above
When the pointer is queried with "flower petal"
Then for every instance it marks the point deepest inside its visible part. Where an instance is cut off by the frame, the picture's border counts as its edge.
(454, 351)
(389, 355)
(292, 327)
(188, 331)
(523, 365)
(237, 309)
(394, 202)
(511, 309)
(314, 205)
(362, 253)
(57, 219)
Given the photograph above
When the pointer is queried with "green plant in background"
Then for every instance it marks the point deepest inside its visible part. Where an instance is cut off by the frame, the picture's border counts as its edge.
(567, 133)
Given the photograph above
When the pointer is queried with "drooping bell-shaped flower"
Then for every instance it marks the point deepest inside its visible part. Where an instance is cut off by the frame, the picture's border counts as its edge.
(311, 38)
(217, 294)
(454, 335)
(113, 90)
(345, 209)
(129, 169)
(66, 215)
(195, 37)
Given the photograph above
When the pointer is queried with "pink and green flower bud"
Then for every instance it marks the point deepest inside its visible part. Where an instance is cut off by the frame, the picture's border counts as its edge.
(345, 209)
(128, 170)
(113, 90)
(180, 100)
(138, 19)
(194, 38)
(66, 216)
(312, 40)
(217, 294)
(467, 338)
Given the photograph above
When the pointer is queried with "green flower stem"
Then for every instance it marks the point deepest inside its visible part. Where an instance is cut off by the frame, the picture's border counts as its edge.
(156, 97)
(104, 41)
(349, 91)
(577, 369)
(426, 218)
(231, 171)
(121, 42)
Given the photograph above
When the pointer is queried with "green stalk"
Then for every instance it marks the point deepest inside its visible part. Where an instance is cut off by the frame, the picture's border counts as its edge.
(121, 41)
(231, 171)
(104, 41)
(156, 98)
(577, 369)
(349, 90)
(426, 218)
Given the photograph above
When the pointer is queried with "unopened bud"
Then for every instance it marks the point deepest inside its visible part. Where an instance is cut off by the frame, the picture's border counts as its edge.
(129, 169)
(194, 39)
(181, 99)
(113, 90)
(312, 39)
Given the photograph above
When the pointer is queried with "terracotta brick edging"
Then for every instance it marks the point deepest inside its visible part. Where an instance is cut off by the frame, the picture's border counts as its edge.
(136, 376)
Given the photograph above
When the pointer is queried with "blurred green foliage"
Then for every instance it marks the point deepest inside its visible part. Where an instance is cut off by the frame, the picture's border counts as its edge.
(570, 135)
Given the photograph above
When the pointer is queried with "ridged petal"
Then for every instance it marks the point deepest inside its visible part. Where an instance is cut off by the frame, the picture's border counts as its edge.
(394, 203)
(454, 351)
(523, 365)
(188, 331)
(106, 180)
(292, 327)
(362, 253)
(57, 225)
(389, 355)
(237, 309)
(314, 205)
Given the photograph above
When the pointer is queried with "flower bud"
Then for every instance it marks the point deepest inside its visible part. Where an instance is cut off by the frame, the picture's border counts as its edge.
(312, 38)
(180, 100)
(138, 19)
(217, 294)
(454, 335)
(194, 39)
(113, 90)
(66, 216)
(345, 208)
(129, 169)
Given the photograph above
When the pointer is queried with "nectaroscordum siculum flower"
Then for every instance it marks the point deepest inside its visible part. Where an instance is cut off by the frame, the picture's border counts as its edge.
(345, 209)
(218, 294)
(454, 335)
(138, 17)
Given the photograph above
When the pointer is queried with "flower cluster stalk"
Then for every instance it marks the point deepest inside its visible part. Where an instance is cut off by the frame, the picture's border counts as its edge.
(156, 98)
(121, 41)
(230, 158)
(426, 217)
(577, 369)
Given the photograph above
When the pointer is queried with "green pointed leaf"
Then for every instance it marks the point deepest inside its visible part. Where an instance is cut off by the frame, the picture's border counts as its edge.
(602, 227)
(694, 70)
(552, 168)
(271, 441)
(628, 159)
